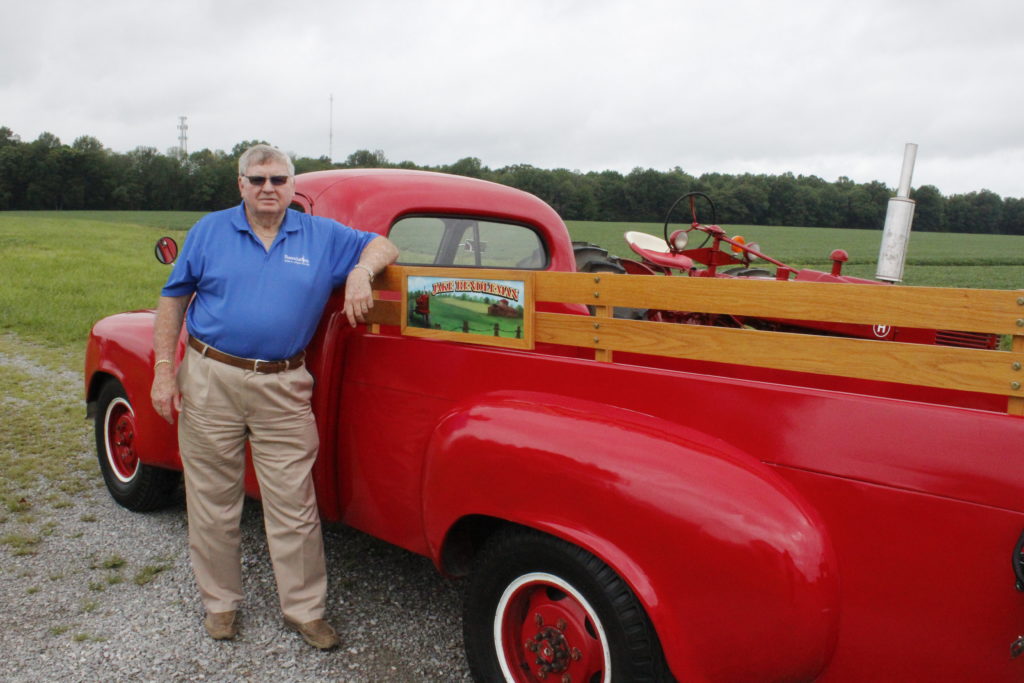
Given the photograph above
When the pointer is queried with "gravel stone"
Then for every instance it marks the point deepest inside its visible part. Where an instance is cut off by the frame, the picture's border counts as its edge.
(398, 619)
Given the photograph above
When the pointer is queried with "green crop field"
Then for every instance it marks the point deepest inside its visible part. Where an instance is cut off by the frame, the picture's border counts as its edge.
(60, 272)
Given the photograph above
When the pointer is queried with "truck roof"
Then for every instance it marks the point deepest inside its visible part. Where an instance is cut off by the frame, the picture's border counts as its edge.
(376, 195)
(373, 199)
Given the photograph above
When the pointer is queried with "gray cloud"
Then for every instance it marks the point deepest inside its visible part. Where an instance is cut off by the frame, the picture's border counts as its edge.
(827, 88)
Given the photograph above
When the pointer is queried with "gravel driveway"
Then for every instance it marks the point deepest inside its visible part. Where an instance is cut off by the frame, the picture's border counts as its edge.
(107, 595)
(72, 617)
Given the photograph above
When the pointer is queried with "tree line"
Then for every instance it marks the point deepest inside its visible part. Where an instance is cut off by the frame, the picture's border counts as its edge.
(48, 174)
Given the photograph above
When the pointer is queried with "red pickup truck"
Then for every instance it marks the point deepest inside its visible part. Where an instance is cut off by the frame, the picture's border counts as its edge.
(639, 500)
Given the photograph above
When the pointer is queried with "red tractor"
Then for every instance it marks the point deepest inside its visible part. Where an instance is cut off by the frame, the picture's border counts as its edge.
(719, 255)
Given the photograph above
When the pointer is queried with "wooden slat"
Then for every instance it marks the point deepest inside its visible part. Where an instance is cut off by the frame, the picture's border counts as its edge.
(602, 314)
(1016, 402)
(385, 313)
(389, 279)
(974, 310)
(989, 311)
(933, 366)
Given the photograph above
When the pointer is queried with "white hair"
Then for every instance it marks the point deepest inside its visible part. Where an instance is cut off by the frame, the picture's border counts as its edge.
(261, 154)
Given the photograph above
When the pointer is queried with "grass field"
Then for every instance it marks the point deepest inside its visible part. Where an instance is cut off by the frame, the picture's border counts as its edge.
(60, 272)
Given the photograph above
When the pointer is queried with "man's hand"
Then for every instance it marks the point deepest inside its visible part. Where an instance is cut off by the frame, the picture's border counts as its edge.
(170, 311)
(164, 393)
(358, 296)
(376, 256)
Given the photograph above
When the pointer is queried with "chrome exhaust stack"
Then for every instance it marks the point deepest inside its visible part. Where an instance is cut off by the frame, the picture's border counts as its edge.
(898, 218)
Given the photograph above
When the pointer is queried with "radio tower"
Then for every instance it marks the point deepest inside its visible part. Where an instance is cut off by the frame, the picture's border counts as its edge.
(182, 137)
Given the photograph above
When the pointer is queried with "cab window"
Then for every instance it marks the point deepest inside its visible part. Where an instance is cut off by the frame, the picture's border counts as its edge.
(470, 242)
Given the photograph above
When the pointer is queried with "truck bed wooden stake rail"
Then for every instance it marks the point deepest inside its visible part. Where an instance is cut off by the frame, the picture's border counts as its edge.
(975, 310)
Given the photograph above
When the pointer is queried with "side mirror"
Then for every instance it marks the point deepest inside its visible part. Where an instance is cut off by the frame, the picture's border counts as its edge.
(166, 250)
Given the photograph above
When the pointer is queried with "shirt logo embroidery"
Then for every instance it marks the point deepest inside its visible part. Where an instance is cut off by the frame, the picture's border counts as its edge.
(297, 260)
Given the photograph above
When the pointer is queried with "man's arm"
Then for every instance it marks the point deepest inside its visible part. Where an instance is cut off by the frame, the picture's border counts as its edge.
(376, 256)
(164, 394)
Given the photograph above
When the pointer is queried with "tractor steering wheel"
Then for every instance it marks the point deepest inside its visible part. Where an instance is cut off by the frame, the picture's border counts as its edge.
(692, 197)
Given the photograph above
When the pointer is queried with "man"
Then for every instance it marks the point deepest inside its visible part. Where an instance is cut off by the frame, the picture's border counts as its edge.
(261, 275)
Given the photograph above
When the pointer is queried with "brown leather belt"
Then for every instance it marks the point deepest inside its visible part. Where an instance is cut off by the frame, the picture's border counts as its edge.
(264, 367)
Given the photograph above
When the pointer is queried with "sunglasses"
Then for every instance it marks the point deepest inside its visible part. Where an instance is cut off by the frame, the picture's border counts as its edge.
(260, 180)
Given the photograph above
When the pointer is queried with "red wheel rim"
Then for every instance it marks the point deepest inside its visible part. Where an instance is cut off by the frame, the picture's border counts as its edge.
(545, 630)
(120, 440)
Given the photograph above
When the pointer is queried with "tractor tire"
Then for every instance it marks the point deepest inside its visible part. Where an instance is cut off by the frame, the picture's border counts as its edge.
(132, 484)
(538, 608)
(744, 271)
(591, 258)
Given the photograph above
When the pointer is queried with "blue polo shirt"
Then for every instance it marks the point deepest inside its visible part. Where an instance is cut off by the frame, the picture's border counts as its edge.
(258, 303)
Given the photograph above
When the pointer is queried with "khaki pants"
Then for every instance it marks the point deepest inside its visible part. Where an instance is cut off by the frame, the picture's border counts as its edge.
(222, 406)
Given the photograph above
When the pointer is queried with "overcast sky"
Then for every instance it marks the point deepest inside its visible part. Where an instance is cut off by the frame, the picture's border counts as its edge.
(824, 87)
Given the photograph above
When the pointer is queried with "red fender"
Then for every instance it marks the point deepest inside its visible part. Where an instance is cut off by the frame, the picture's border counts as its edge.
(127, 338)
(734, 569)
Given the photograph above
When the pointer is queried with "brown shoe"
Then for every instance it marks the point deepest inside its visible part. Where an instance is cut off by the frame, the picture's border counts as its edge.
(221, 625)
(317, 633)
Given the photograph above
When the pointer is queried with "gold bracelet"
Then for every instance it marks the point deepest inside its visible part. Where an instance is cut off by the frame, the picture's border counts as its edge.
(162, 360)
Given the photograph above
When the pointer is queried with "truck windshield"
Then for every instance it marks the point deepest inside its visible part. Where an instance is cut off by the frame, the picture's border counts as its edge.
(464, 241)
